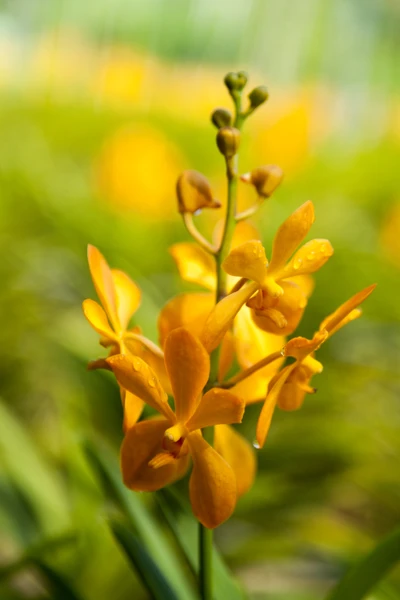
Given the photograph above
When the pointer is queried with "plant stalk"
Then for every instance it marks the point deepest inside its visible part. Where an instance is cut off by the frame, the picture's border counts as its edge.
(205, 562)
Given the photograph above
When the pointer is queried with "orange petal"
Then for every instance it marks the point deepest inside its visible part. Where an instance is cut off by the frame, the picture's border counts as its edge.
(267, 411)
(188, 367)
(305, 282)
(308, 259)
(227, 355)
(185, 310)
(334, 321)
(135, 376)
(289, 236)
(282, 315)
(133, 408)
(217, 407)
(142, 442)
(238, 453)
(301, 347)
(128, 296)
(221, 317)
(212, 485)
(195, 264)
(104, 284)
(97, 318)
(247, 260)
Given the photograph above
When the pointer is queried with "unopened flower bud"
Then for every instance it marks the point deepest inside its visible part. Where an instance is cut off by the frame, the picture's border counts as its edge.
(194, 192)
(235, 82)
(221, 117)
(258, 96)
(228, 141)
(265, 179)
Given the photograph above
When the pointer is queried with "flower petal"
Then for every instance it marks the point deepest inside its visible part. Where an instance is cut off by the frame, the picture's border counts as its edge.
(289, 236)
(238, 453)
(195, 264)
(135, 376)
(221, 317)
(226, 356)
(308, 259)
(212, 485)
(279, 316)
(185, 310)
(338, 318)
(128, 296)
(247, 260)
(143, 442)
(188, 368)
(267, 411)
(133, 408)
(97, 318)
(103, 283)
(300, 347)
(217, 407)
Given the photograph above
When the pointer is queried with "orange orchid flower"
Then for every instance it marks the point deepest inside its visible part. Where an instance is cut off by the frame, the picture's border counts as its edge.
(192, 309)
(288, 388)
(120, 298)
(155, 452)
(280, 301)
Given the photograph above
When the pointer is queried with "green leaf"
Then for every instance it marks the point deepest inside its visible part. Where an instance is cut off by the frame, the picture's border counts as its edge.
(133, 507)
(147, 569)
(366, 574)
(185, 528)
(60, 588)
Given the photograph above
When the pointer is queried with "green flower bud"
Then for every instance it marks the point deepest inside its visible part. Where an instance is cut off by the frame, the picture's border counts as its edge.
(228, 141)
(258, 96)
(221, 117)
(235, 82)
(265, 179)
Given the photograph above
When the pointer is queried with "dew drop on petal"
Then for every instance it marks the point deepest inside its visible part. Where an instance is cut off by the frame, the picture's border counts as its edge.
(151, 382)
(256, 445)
(310, 255)
(136, 364)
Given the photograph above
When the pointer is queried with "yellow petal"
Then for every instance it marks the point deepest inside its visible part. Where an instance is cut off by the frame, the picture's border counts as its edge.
(308, 259)
(194, 192)
(97, 318)
(289, 236)
(227, 355)
(151, 354)
(305, 282)
(244, 232)
(128, 296)
(247, 260)
(143, 442)
(267, 411)
(185, 310)
(104, 284)
(282, 315)
(212, 485)
(238, 453)
(195, 264)
(301, 347)
(334, 321)
(221, 317)
(135, 376)
(292, 394)
(217, 407)
(133, 408)
(188, 368)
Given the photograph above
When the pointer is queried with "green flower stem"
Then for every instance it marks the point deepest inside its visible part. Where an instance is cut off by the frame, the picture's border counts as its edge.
(205, 559)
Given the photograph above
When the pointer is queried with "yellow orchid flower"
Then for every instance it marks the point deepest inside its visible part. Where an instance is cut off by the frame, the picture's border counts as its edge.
(155, 452)
(192, 309)
(273, 280)
(120, 298)
(288, 388)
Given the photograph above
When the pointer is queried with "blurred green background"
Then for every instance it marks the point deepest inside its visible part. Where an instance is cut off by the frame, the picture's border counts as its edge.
(101, 106)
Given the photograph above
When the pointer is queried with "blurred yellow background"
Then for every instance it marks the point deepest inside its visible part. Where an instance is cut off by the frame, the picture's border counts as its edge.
(102, 105)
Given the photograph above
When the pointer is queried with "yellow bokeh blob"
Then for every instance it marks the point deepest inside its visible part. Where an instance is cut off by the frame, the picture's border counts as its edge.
(390, 234)
(137, 171)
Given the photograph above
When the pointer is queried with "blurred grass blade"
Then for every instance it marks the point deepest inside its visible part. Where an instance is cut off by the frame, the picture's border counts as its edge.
(185, 528)
(60, 588)
(366, 574)
(147, 569)
(30, 473)
(148, 530)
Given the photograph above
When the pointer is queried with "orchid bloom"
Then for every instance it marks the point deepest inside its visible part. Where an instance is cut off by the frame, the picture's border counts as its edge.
(120, 298)
(191, 310)
(156, 452)
(288, 388)
(280, 301)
